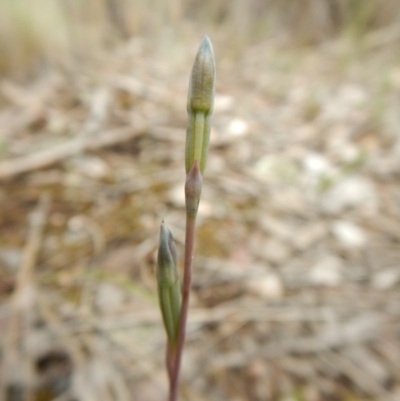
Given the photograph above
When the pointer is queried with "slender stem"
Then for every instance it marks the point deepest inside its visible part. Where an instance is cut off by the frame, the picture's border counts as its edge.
(187, 279)
(169, 361)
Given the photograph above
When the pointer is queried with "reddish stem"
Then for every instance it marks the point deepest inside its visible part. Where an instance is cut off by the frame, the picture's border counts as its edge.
(169, 357)
(187, 279)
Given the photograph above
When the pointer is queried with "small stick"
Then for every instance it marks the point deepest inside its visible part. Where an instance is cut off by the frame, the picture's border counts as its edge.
(23, 299)
(46, 157)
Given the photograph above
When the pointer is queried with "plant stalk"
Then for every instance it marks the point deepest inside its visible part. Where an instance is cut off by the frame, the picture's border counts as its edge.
(199, 106)
(187, 280)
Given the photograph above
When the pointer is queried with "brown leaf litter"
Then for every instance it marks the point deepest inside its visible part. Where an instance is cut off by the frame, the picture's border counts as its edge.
(296, 281)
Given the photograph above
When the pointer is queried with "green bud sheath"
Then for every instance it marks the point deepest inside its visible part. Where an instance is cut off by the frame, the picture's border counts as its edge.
(200, 105)
(193, 186)
(169, 289)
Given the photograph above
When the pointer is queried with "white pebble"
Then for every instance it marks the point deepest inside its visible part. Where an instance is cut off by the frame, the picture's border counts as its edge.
(327, 271)
(349, 234)
(238, 127)
(348, 193)
(267, 287)
(386, 279)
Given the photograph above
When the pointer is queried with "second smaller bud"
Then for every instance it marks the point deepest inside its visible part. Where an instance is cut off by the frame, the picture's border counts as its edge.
(169, 288)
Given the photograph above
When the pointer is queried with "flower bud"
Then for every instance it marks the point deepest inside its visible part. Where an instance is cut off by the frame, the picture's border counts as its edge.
(201, 85)
(169, 291)
(200, 105)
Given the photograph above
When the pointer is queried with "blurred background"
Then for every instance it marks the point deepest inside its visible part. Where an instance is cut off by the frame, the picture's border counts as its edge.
(297, 265)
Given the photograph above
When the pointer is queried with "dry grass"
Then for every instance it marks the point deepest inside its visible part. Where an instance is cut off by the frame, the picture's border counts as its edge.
(37, 34)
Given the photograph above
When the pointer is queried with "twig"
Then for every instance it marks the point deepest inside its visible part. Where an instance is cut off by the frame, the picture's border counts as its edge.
(24, 294)
(47, 157)
(365, 381)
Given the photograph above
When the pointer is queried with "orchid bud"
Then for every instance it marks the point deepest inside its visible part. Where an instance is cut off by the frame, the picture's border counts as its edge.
(200, 105)
(169, 289)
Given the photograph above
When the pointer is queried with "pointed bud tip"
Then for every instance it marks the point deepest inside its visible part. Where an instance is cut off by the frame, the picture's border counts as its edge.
(167, 257)
(202, 79)
(206, 45)
(166, 247)
(165, 232)
(206, 54)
